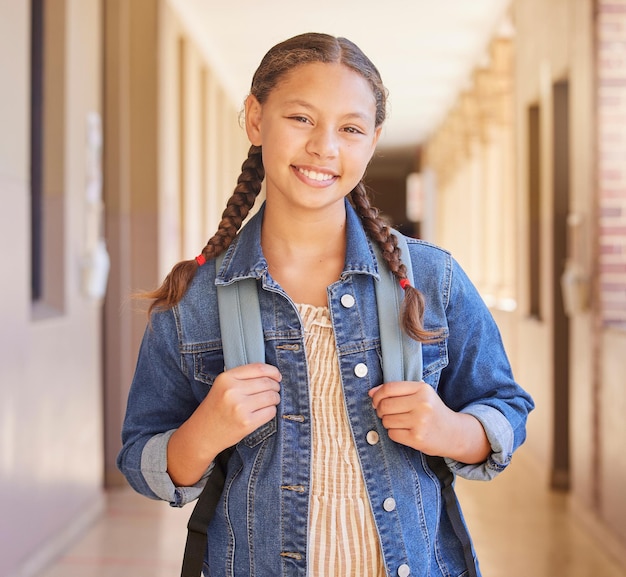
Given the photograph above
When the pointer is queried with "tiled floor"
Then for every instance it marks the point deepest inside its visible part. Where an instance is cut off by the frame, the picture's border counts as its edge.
(519, 529)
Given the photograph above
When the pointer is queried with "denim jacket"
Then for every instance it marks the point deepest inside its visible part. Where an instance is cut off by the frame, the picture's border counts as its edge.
(260, 526)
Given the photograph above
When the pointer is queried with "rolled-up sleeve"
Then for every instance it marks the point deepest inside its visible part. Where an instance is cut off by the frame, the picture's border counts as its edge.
(154, 471)
(160, 400)
(478, 379)
(501, 438)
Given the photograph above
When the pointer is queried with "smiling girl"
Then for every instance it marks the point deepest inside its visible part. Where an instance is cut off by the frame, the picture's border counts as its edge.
(329, 476)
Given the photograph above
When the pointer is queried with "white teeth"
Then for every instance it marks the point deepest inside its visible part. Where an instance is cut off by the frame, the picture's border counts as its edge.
(315, 175)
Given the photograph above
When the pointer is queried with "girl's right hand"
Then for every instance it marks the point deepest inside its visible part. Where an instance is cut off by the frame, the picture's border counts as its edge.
(240, 401)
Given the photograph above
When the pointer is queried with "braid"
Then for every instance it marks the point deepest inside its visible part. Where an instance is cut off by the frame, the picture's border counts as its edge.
(237, 208)
(413, 305)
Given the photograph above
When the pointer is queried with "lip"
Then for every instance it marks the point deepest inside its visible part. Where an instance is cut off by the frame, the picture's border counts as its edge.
(315, 175)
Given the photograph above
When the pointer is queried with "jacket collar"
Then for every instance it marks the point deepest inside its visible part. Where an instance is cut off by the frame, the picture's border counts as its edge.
(244, 257)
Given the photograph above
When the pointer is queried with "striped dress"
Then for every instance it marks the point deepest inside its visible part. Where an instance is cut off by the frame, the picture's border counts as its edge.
(342, 535)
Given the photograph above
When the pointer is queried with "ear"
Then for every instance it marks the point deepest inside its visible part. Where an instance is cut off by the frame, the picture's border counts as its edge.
(375, 140)
(253, 120)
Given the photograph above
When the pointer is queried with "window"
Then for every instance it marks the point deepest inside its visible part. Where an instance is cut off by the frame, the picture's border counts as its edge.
(47, 166)
(36, 152)
(534, 211)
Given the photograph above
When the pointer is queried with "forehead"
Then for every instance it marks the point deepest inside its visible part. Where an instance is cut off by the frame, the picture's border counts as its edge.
(332, 84)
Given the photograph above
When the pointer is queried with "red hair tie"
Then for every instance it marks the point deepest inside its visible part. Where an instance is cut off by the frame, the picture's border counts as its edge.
(200, 259)
(404, 282)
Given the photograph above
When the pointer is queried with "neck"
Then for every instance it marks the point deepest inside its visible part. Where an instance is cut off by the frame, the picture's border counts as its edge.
(305, 254)
(310, 232)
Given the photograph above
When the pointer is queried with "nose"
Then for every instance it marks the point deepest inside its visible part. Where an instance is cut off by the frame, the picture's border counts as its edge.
(323, 142)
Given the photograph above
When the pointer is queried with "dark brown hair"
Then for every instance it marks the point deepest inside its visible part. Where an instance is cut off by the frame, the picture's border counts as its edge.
(281, 59)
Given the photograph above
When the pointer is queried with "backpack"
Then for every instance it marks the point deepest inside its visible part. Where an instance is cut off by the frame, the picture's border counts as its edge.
(242, 343)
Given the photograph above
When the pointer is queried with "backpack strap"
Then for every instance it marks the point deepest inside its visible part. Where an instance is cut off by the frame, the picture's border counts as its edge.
(240, 322)
(401, 355)
(408, 366)
(243, 343)
(242, 337)
(203, 511)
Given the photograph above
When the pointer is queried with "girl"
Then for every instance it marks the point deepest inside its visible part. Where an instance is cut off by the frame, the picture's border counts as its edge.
(329, 476)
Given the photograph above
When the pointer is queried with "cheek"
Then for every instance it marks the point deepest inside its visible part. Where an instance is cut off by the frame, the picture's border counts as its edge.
(276, 141)
(360, 156)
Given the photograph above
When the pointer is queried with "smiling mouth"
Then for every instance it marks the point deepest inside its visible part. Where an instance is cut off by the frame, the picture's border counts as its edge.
(319, 176)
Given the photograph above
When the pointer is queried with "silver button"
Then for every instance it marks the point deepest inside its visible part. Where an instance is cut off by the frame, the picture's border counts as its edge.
(347, 301)
(389, 504)
(360, 370)
(372, 437)
(404, 570)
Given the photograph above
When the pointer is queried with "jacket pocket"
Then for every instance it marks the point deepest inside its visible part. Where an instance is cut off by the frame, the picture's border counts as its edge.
(260, 434)
(208, 363)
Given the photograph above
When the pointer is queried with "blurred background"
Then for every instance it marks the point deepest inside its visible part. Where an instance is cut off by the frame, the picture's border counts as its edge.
(120, 143)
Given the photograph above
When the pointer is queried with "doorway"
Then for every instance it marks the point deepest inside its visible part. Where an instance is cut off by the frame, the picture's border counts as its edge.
(560, 474)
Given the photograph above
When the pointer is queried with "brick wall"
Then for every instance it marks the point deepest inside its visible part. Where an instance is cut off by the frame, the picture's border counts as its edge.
(611, 97)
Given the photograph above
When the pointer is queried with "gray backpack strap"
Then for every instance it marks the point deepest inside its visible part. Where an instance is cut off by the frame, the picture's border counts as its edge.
(401, 355)
(240, 322)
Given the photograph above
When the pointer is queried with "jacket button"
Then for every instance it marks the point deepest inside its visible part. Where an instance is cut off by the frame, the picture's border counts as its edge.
(404, 570)
(372, 437)
(389, 504)
(360, 370)
(347, 301)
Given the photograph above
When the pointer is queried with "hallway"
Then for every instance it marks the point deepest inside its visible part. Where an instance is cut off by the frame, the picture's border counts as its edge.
(519, 528)
(122, 144)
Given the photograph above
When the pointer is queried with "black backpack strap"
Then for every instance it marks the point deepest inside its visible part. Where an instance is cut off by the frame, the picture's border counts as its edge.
(453, 509)
(197, 527)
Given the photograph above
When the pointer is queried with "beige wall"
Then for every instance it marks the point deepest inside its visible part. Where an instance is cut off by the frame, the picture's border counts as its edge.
(50, 383)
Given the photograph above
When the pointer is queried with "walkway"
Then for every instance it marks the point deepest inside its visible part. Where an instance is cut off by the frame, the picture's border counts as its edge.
(520, 530)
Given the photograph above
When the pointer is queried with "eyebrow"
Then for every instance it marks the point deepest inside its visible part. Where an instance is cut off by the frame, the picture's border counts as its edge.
(350, 115)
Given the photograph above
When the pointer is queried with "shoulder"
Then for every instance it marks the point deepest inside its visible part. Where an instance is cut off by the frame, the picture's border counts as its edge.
(196, 313)
(425, 248)
(204, 278)
(429, 260)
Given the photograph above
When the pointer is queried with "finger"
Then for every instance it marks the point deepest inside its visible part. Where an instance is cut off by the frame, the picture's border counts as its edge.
(397, 421)
(264, 399)
(256, 386)
(262, 416)
(250, 393)
(395, 406)
(373, 390)
(405, 437)
(254, 371)
(393, 389)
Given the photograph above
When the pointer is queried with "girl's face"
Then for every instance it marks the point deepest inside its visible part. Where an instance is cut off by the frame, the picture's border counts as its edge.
(317, 129)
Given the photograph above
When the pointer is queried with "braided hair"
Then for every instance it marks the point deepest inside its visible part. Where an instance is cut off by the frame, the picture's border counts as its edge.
(281, 59)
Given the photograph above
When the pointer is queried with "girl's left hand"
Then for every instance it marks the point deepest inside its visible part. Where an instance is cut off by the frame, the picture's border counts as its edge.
(415, 415)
